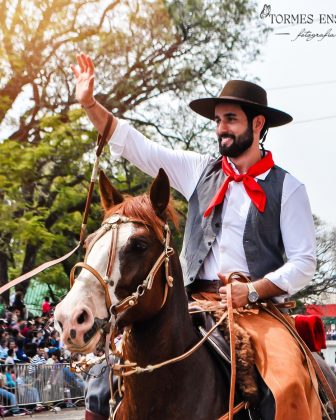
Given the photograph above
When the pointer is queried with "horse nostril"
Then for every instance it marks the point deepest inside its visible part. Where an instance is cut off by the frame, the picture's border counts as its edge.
(82, 317)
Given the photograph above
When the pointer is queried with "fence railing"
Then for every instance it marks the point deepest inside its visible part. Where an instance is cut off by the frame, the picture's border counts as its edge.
(39, 384)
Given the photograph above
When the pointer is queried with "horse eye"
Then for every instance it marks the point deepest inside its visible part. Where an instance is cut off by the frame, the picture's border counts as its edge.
(138, 246)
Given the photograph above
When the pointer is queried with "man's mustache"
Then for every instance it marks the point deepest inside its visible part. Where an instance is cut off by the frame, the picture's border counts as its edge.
(226, 135)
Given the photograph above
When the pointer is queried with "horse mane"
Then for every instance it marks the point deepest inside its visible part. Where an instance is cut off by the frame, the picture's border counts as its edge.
(140, 207)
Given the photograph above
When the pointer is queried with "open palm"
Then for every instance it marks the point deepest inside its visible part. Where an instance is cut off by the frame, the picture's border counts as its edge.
(84, 75)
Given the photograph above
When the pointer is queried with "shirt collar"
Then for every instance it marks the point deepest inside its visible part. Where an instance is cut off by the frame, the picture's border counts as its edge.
(261, 176)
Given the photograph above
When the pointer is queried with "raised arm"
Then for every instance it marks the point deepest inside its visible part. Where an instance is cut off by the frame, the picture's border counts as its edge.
(183, 167)
(84, 74)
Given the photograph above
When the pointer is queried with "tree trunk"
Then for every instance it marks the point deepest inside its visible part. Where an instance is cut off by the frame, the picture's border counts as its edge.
(28, 264)
(4, 276)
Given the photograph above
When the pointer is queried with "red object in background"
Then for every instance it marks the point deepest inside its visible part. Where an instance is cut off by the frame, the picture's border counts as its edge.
(322, 310)
(46, 307)
(311, 330)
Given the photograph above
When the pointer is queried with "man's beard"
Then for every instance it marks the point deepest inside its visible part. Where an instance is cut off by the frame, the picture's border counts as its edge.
(239, 145)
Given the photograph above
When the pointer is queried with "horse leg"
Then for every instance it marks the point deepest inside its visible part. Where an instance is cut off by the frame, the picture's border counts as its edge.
(331, 379)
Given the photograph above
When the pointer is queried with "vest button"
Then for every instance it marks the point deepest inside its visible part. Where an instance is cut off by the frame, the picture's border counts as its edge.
(217, 224)
(200, 261)
(209, 243)
(191, 278)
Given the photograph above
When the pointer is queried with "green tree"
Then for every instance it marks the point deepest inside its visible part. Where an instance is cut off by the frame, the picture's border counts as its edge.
(150, 55)
(323, 284)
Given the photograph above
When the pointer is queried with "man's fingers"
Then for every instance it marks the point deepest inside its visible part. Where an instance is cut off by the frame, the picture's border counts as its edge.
(74, 70)
(90, 64)
(81, 62)
(86, 61)
(222, 278)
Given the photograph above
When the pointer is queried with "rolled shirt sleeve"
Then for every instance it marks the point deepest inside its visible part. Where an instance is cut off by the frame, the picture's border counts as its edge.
(183, 168)
(298, 234)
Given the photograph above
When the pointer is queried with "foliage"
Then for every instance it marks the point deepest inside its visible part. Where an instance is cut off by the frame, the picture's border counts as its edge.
(323, 285)
(149, 56)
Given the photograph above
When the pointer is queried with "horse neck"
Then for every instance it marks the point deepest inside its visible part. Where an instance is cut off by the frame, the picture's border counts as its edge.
(167, 334)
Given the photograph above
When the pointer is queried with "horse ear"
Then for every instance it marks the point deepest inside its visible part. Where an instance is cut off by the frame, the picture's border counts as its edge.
(160, 193)
(109, 196)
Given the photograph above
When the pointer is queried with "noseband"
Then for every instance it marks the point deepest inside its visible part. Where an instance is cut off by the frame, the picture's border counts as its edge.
(114, 223)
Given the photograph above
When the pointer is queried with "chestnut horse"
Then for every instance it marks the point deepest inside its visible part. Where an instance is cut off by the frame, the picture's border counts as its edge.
(158, 326)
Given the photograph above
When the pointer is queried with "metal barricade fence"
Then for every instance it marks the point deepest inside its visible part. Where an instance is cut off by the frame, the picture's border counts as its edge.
(39, 384)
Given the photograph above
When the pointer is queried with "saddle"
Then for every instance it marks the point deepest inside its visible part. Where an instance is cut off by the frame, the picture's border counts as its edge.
(262, 405)
(217, 344)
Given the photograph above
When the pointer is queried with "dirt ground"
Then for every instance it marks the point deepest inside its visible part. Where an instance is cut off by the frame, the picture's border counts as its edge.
(64, 414)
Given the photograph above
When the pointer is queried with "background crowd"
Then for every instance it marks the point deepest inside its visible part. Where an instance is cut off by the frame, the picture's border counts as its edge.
(26, 343)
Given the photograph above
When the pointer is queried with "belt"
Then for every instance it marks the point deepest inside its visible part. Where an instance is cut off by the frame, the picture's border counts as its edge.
(208, 286)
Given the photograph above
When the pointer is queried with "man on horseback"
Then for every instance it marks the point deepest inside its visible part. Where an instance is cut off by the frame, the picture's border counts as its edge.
(245, 214)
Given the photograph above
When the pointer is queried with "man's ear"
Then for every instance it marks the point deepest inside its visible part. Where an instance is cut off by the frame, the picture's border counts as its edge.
(258, 123)
(109, 196)
(160, 193)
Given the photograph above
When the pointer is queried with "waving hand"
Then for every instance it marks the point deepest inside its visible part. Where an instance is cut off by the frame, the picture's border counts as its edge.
(84, 74)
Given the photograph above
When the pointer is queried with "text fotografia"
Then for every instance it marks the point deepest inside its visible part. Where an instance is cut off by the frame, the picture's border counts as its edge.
(309, 35)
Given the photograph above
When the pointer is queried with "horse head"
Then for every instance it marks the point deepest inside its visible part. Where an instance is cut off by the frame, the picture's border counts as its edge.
(125, 274)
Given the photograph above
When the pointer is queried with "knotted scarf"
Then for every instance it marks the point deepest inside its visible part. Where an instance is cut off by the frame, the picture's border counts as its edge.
(253, 189)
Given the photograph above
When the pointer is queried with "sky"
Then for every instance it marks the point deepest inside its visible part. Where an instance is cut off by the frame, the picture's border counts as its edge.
(299, 74)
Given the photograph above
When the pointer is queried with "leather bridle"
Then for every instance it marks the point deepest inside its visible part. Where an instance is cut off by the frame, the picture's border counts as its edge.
(113, 223)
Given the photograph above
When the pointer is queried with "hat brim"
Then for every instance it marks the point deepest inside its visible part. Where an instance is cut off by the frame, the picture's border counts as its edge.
(206, 108)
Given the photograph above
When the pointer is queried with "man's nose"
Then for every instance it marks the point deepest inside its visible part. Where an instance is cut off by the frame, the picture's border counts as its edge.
(222, 126)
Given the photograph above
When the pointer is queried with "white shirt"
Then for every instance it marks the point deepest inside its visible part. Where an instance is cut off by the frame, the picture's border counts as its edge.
(184, 169)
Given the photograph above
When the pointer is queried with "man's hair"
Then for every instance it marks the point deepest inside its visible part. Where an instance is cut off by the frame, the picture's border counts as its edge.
(46, 298)
(10, 352)
(250, 114)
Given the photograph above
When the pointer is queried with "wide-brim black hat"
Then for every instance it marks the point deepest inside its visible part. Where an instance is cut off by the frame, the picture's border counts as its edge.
(242, 93)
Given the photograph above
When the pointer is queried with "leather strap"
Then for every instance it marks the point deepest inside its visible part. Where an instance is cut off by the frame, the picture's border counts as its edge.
(232, 350)
(101, 141)
(241, 406)
(98, 277)
(37, 270)
(113, 251)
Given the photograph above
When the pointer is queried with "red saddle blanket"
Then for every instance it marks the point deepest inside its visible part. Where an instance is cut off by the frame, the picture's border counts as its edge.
(311, 330)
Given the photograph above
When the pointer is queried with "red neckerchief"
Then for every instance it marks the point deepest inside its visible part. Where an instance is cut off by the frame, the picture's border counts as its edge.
(253, 189)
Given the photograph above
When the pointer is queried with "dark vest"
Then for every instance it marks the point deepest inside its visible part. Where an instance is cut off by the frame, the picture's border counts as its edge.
(262, 240)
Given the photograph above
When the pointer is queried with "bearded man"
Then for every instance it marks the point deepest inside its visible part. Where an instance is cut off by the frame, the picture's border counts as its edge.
(245, 214)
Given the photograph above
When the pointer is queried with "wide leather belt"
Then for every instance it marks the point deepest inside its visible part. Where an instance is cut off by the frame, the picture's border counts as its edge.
(208, 286)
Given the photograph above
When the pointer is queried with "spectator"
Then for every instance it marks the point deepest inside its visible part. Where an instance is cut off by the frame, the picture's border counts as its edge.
(9, 381)
(38, 359)
(12, 345)
(38, 337)
(46, 307)
(55, 357)
(10, 357)
(54, 339)
(8, 398)
(4, 348)
(19, 305)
